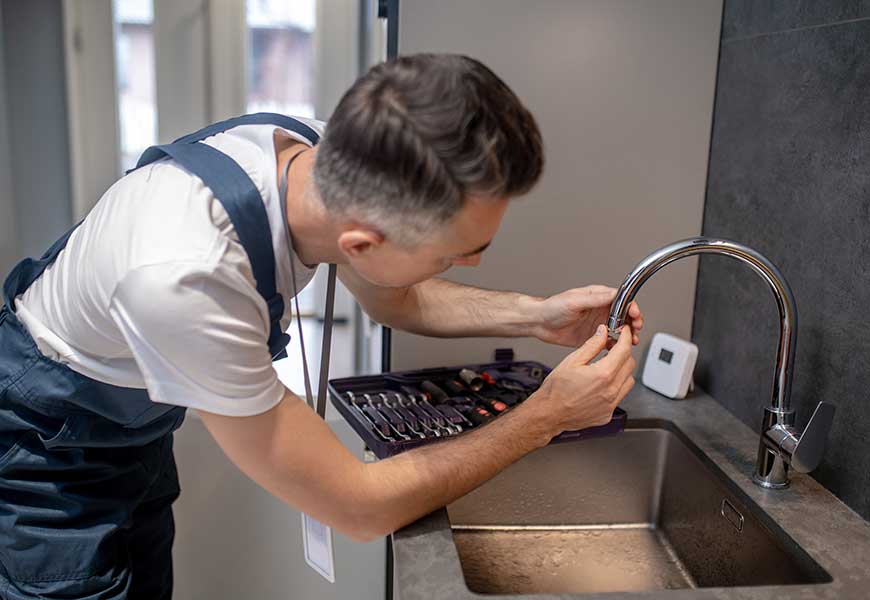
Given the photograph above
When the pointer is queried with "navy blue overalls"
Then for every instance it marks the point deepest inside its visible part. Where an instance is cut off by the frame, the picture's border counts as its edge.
(87, 475)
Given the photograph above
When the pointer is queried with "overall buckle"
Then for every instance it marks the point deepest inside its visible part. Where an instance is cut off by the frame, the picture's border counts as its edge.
(276, 308)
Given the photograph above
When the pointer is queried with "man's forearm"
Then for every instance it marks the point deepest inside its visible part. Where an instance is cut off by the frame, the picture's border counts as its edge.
(440, 308)
(293, 454)
(403, 488)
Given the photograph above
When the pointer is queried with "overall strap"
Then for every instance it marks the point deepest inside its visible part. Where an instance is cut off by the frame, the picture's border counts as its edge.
(283, 121)
(238, 195)
(233, 188)
(29, 270)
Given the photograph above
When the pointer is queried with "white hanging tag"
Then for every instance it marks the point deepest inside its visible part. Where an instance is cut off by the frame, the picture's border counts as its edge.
(317, 541)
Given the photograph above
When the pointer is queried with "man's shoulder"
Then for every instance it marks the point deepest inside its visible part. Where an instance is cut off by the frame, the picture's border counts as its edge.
(163, 213)
(315, 124)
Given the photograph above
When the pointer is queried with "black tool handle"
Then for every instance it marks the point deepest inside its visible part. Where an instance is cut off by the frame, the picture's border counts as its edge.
(438, 395)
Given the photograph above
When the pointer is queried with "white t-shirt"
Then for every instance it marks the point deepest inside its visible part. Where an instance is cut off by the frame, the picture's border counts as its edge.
(154, 290)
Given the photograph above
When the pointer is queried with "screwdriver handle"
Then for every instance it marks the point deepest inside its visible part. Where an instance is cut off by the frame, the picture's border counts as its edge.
(438, 395)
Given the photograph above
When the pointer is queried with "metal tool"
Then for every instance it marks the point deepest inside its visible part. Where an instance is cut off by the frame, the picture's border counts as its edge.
(452, 415)
(472, 379)
(422, 416)
(388, 417)
(381, 427)
(422, 402)
(409, 425)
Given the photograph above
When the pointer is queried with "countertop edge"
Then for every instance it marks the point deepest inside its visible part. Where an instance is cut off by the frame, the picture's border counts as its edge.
(427, 565)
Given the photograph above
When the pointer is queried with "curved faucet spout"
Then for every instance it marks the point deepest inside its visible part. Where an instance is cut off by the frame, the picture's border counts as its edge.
(780, 445)
(781, 401)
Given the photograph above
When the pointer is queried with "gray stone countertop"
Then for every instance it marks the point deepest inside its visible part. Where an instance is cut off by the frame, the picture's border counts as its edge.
(427, 564)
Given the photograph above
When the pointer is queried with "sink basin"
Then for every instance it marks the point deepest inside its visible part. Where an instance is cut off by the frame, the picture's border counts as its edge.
(641, 511)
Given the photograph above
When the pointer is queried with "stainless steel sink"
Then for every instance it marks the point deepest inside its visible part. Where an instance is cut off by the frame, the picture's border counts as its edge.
(644, 510)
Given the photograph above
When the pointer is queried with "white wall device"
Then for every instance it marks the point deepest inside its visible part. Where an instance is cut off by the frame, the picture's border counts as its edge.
(669, 365)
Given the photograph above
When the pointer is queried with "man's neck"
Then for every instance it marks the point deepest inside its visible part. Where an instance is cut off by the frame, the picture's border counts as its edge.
(314, 232)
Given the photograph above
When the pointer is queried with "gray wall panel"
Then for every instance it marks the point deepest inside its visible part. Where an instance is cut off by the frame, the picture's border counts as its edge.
(623, 92)
(235, 541)
(32, 36)
(789, 175)
(8, 237)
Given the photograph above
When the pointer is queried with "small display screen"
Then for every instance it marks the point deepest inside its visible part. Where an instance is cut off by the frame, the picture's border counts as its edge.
(666, 356)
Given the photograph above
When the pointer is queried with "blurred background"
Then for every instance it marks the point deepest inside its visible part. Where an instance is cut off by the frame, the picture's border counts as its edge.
(85, 87)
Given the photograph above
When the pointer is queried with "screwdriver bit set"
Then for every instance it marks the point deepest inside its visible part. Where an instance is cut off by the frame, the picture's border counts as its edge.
(394, 412)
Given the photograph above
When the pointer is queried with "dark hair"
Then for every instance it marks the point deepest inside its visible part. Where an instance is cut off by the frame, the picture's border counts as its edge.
(415, 136)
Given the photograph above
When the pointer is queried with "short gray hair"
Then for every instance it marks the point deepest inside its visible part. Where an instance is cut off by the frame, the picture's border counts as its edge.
(415, 136)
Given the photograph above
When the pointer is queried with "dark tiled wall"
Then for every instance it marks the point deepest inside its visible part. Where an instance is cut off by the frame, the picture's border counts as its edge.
(789, 175)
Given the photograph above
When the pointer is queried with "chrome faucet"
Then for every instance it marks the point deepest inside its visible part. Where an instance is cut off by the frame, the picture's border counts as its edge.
(781, 445)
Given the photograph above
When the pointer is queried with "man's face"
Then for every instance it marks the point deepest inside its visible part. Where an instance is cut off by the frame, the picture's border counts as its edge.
(458, 243)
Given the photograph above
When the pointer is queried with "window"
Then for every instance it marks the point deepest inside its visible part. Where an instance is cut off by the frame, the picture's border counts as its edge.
(281, 56)
(134, 52)
(281, 75)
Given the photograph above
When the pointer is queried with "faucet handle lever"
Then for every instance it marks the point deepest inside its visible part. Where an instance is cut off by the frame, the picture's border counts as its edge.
(803, 451)
(810, 447)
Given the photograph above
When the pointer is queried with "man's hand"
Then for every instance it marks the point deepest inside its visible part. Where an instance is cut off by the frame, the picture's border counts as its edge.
(571, 317)
(579, 393)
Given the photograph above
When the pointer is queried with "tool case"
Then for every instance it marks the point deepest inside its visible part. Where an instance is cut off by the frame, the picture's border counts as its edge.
(394, 412)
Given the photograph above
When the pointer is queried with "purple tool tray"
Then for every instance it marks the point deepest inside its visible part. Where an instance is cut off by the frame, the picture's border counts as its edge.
(369, 425)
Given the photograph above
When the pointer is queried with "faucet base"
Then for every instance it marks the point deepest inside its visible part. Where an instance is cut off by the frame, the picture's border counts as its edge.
(771, 470)
(769, 483)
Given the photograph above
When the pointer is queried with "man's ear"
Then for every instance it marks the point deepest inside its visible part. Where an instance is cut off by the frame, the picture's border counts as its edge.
(356, 242)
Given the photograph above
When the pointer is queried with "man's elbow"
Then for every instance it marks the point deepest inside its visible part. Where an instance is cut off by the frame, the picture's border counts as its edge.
(381, 317)
(391, 310)
(364, 528)
(364, 537)
(386, 317)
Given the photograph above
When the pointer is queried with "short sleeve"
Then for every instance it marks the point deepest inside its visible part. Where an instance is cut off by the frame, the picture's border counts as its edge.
(199, 334)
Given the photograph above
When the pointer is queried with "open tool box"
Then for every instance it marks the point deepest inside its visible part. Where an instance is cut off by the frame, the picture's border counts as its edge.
(394, 412)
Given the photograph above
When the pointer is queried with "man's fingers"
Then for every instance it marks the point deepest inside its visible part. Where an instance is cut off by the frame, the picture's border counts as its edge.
(600, 289)
(596, 298)
(635, 317)
(624, 390)
(592, 347)
(626, 370)
(620, 351)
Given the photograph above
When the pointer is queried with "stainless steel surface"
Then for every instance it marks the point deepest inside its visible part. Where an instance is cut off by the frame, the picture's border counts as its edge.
(779, 441)
(561, 561)
(641, 511)
(806, 516)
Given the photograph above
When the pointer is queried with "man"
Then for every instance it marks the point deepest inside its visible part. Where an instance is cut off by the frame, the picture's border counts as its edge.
(173, 293)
